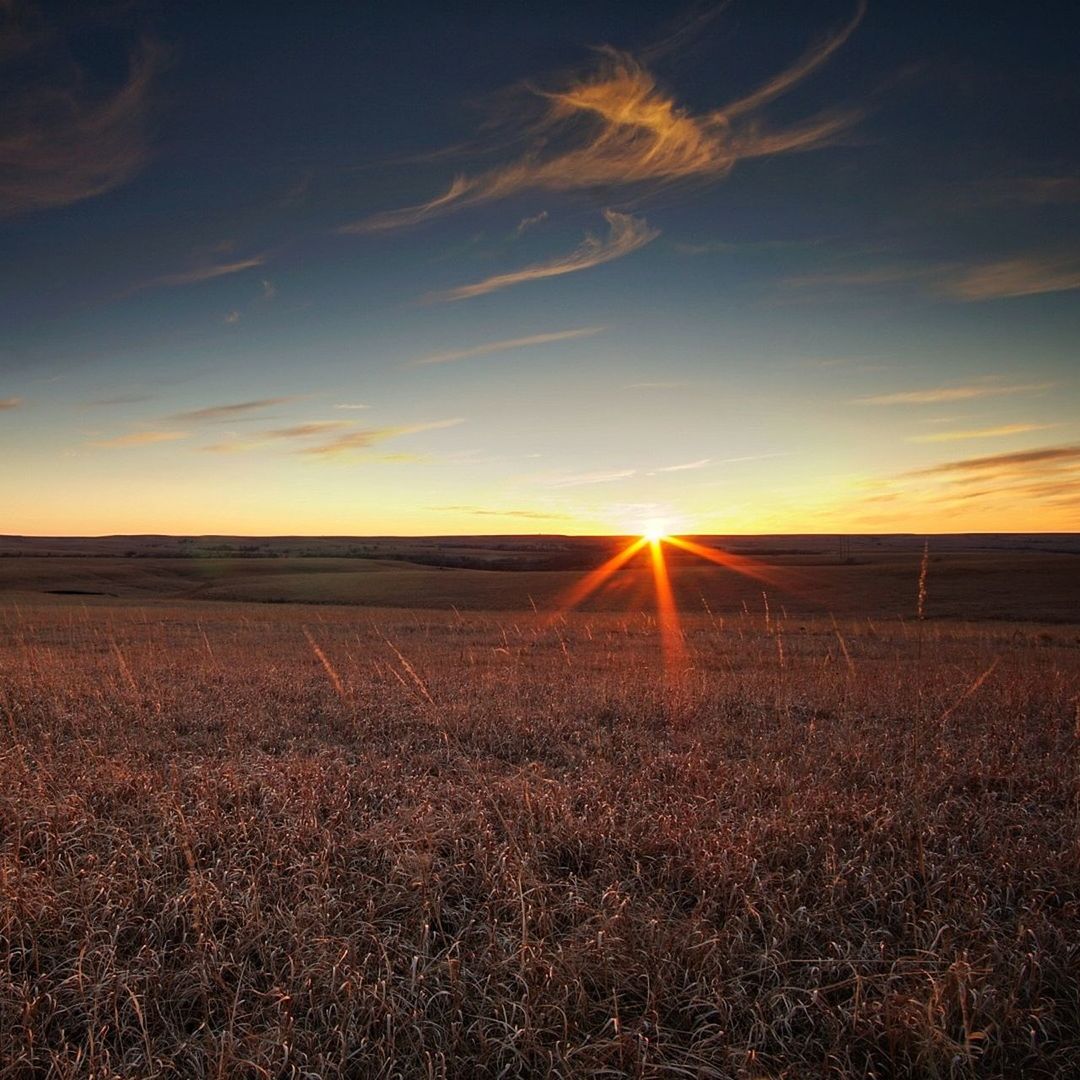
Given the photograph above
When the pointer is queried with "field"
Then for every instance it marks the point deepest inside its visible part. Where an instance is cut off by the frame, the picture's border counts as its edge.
(400, 819)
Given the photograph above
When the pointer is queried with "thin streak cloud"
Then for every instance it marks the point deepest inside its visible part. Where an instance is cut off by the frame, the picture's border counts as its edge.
(599, 476)
(368, 437)
(1002, 431)
(140, 438)
(937, 395)
(699, 464)
(203, 273)
(506, 345)
(615, 127)
(994, 463)
(625, 235)
(1027, 276)
(229, 411)
(10, 403)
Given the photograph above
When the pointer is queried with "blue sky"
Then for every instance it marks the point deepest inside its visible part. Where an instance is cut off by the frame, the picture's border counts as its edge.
(459, 269)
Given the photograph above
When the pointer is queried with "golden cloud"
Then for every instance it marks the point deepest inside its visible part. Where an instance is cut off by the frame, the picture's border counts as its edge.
(625, 234)
(59, 145)
(506, 345)
(938, 394)
(616, 127)
(1001, 431)
(368, 437)
(140, 438)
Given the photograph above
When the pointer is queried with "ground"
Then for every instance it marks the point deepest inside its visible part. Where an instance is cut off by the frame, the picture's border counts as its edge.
(444, 839)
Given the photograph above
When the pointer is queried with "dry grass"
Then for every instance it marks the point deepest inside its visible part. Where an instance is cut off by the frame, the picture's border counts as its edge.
(308, 842)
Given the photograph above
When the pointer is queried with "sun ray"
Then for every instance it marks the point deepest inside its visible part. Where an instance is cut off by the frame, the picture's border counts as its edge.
(592, 581)
(667, 613)
(741, 565)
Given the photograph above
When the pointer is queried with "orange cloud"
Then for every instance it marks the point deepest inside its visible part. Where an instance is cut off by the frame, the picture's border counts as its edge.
(625, 234)
(10, 403)
(616, 127)
(1001, 431)
(229, 411)
(507, 345)
(1025, 276)
(368, 437)
(140, 438)
(1020, 459)
(60, 145)
(939, 394)
(205, 273)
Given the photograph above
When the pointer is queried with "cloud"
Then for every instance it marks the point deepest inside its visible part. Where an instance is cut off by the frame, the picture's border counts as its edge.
(938, 394)
(538, 515)
(505, 346)
(306, 431)
(140, 438)
(368, 437)
(599, 476)
(699, 464)
(527, 223)
(625, 234)
(229, 411)
(10, 403)
(1030, 190)
(1026, 276)
(1001, 431)
(352, 405)
(615, 127)
(59, 144)
(1020, 460)
(118, 399)
(203, 273)
(232, 318)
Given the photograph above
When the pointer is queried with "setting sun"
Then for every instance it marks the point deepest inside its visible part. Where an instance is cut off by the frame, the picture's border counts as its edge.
(655, 531)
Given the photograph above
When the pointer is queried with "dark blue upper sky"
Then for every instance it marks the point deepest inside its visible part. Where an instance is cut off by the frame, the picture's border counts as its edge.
(757, 265)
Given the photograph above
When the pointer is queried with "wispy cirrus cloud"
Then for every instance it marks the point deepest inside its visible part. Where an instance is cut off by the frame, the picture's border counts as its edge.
(699, 464)
(479, 511)
(308, 430)
(999, 432)
(615, 127)
(366, 438)
(117, 399)
(625, 234)
(1001, 279)
(596, 476)
(10, 403)
(140, 438)
(938, 394)
(203, 273)
(1017, 461)
(527, 223)
(59, 143)
(1028, 190)
(506, 345)
(1025, 276)
(229, 411)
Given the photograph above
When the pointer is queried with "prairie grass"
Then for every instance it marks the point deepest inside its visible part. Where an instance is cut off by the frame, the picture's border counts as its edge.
(314, 841)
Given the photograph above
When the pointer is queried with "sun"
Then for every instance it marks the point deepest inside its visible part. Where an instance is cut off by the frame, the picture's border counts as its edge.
(655, 531)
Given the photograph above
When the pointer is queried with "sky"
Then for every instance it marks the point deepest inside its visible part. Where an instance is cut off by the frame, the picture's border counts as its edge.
(400, 269)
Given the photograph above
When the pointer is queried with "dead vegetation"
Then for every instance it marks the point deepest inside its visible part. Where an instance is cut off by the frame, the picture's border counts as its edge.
(307, 842)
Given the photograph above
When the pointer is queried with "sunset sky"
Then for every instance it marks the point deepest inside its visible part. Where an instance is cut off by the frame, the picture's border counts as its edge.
(499, 268)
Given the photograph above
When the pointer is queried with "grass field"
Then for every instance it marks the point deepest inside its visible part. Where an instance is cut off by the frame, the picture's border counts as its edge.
(306, 840)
